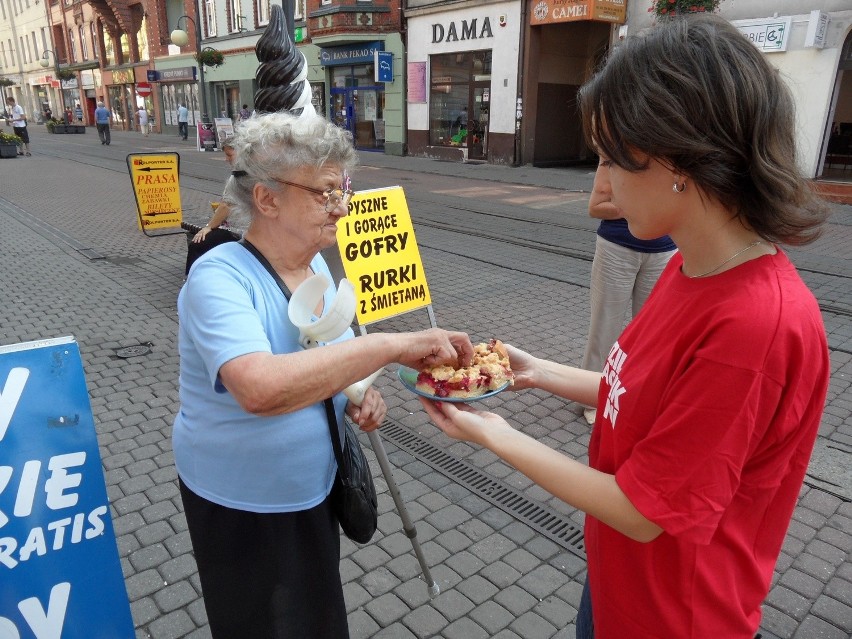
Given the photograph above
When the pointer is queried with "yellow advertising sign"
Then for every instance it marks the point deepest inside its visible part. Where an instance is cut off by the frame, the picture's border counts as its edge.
(157, 189)
(380, 255)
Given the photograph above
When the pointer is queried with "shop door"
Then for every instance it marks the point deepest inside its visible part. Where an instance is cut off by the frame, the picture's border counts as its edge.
(477, 124)
(359, 110)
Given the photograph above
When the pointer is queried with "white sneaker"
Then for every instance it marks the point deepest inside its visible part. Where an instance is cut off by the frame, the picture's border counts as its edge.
(590, 414)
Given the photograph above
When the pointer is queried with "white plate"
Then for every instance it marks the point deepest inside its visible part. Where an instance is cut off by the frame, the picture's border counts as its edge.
(408, 377)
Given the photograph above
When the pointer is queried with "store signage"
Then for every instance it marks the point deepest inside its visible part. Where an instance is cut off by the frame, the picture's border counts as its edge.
(123, 76)
(380, 255)
(61, 575)
(70, 83)
(770, 35)
(817, 29)
(153, 75)
(553, 11)
(465, 31)
(180, 74)
(416, 82)
(155, 178)
(383, 66)
(299, 34)
(354, 54)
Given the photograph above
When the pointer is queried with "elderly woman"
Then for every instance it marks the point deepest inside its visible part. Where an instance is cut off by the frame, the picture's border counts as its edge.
(251, 441)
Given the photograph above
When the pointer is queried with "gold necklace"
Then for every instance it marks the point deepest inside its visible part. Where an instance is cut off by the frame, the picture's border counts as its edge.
(737, 254)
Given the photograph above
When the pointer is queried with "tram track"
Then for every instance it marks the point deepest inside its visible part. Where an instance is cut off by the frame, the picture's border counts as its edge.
(527, 227)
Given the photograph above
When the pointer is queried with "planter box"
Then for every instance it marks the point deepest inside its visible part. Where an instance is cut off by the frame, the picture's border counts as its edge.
(59, 128)
(77, 128)
(8, 150)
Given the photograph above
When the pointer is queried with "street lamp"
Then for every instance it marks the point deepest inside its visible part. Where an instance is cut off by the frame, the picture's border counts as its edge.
(45, 62)
(180, 38)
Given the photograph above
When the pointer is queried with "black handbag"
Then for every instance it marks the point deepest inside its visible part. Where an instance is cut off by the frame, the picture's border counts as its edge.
(353, 496)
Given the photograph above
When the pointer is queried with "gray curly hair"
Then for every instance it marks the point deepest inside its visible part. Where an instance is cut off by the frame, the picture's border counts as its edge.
(271, 145)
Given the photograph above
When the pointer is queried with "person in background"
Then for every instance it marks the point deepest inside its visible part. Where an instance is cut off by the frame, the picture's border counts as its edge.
(78, 112)
(245, 114)
(18, 119)
(624, 270)
(69, 116)
(251, 439)
(47, 113)
(183, 120)
(710, 400)
(142, 119)
(102, 122)
(211, 234)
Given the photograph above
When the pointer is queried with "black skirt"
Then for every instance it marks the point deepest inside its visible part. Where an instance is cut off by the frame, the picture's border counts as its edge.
(268, 575)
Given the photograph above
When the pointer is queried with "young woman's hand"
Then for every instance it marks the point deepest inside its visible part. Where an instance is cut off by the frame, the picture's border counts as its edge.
(460, 421)
(523, 366)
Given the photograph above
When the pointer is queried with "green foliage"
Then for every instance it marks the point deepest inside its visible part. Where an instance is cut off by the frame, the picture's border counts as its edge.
(210, 57)
(10, 138)
(670, 8)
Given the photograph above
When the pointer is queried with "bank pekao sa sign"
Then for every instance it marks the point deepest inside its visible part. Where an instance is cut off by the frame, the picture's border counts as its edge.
(60, 576)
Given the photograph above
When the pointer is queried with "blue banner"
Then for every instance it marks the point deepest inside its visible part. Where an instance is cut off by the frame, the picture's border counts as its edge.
(60, 575)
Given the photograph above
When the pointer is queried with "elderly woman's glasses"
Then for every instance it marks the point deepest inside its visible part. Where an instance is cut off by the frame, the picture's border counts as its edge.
(333, 197)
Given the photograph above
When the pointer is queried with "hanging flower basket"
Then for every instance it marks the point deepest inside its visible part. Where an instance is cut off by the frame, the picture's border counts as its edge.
(65, 74)
(210, 57)
(671, 8)
(6, 82)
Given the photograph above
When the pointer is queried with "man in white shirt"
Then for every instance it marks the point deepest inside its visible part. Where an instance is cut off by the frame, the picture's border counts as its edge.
(18, 120)
(183, 117)
(142, 116)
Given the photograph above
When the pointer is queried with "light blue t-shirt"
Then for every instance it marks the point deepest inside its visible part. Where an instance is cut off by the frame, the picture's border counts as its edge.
(101, 115)
(182, 114)
(231, 306)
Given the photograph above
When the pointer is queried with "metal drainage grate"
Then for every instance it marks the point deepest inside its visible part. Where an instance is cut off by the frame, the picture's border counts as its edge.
(133, 351)
(550, 523)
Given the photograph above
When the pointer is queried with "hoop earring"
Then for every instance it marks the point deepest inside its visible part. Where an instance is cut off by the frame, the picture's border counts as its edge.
(679, 189)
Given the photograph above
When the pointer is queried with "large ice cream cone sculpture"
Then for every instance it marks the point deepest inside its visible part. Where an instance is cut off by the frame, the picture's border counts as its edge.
(282, 73)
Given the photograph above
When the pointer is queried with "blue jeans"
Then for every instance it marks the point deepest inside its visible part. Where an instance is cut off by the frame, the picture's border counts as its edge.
(585, 624)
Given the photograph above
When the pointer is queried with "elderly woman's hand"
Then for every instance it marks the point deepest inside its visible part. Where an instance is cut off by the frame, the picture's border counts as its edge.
(371, 413)
(435, 346)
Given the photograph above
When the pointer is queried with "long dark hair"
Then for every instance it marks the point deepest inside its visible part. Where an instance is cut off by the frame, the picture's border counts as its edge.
(695, 94)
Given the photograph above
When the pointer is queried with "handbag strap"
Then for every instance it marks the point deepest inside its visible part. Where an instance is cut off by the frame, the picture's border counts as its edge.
(329, 404)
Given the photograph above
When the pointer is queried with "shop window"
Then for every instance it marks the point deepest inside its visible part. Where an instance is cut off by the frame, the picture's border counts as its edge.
(262, 11)
(456, 97)
(84, 47)
(236, 16)
(73, 45)
(94, 27)
(210, 17)
(142, 39)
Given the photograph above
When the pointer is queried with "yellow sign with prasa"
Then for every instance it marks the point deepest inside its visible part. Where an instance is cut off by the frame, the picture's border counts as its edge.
(380, 255)
(157, 189)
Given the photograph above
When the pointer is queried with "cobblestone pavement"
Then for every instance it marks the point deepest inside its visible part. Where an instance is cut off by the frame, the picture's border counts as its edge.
(74, 263)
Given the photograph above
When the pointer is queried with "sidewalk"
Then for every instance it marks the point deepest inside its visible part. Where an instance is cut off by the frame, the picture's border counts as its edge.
(74, 263)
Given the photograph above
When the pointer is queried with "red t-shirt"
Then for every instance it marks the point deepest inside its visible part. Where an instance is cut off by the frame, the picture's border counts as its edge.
(707, 416)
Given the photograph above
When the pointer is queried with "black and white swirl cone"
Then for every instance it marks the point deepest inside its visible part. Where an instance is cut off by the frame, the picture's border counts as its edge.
(283, 70)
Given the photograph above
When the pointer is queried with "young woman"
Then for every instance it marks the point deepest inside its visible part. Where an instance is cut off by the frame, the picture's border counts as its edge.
(710, 400)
